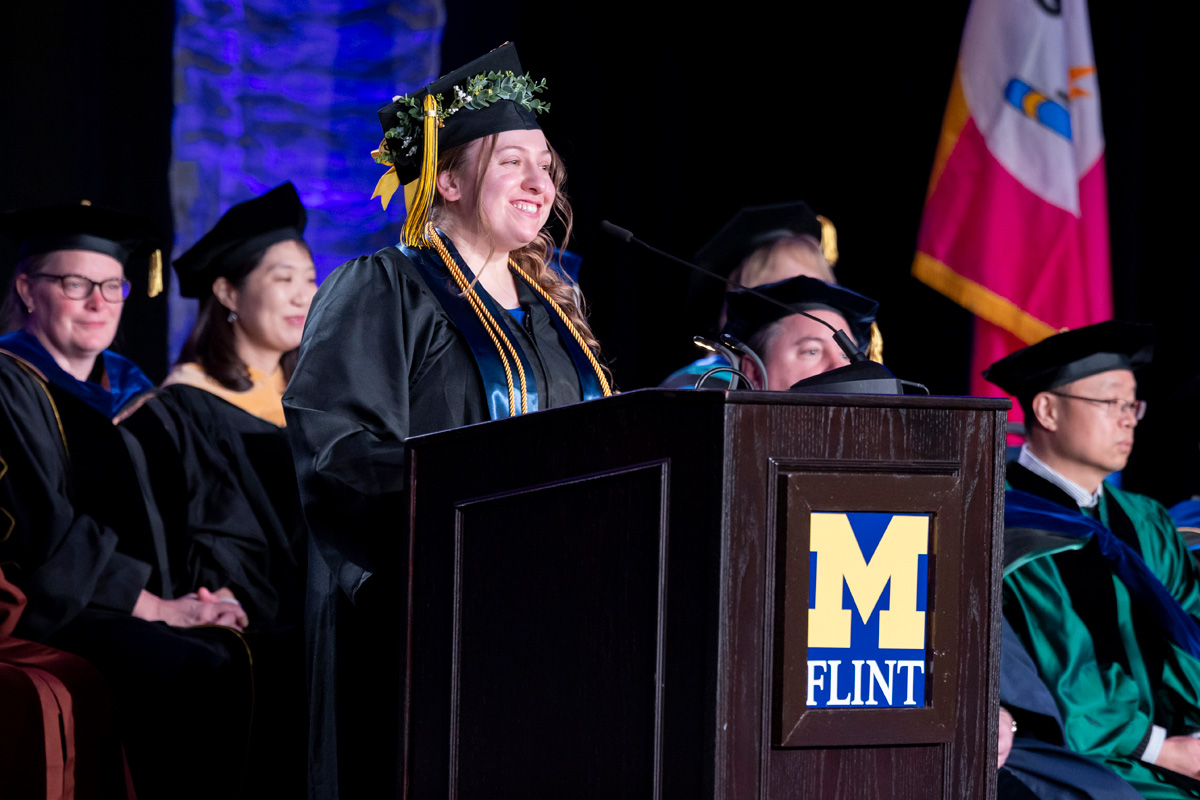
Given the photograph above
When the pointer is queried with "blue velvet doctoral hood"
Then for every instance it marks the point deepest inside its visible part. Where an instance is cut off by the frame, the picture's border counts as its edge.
(126, 381)
(1023, 510)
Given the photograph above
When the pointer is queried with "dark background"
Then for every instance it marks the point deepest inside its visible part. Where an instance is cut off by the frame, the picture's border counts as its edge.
(669, 122)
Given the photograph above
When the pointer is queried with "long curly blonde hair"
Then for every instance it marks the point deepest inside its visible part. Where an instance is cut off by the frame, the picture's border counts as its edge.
(535, 257)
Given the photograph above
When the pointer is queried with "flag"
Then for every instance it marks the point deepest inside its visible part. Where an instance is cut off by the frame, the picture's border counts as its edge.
(1015, 226)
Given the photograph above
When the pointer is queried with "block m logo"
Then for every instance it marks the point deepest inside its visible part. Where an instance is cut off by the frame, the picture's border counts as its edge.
(837, 559)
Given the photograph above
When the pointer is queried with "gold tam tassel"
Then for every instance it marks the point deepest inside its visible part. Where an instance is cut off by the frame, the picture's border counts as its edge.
(828, 240)
(156, 274)
(875, 348)
(422, 202)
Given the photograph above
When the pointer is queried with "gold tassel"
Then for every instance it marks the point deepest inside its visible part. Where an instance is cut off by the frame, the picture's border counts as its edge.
(828, 240)
(875, 348)
(156, 274)
(422, 203)
(410, 193)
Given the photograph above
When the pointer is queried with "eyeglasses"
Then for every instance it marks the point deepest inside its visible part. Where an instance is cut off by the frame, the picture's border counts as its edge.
(1116, 408)
(77, 287)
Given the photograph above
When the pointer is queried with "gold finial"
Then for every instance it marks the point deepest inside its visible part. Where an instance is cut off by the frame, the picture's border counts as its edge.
(156, 274)
(875, 348)
(829, 246)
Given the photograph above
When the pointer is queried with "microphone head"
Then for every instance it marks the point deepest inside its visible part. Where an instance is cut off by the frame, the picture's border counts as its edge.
(616, 231)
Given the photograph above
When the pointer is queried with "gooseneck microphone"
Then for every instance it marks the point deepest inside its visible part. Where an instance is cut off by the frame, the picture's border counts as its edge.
(860, 376)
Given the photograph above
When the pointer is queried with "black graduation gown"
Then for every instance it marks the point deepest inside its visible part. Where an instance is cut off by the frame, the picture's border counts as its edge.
(63, 560)
(226, 486)
(380, 361)
(84, 540)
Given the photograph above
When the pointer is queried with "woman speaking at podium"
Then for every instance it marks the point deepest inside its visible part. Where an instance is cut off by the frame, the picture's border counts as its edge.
(465, 320)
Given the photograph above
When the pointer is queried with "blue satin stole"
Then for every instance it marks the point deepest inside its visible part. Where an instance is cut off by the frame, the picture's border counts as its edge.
(491, 370)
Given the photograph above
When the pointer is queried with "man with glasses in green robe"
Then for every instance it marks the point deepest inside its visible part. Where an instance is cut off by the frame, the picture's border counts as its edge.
(1098, 584)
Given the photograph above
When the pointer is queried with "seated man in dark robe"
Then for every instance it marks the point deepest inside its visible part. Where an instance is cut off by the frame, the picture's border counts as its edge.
(1098, 584)
(796, 346)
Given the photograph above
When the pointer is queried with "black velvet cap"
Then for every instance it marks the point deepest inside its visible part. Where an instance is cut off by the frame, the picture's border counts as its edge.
(245, 229)
(1069, 356)
(466, 124)
(80, 227)
(749, 314)
(753, 227)
(131, 239)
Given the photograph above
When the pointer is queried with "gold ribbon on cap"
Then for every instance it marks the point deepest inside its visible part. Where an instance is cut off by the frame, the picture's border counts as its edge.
(389, 182)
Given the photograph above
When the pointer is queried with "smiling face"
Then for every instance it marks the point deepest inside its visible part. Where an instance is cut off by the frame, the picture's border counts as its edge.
(514, 193)
(273, 299)
(1082, 441)
(797, 347)
(74, 332)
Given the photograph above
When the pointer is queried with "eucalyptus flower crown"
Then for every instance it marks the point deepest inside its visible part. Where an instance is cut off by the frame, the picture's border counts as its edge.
(481, 91)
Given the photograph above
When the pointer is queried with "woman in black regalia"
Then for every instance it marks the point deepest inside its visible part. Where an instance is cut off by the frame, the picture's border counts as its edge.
(218, 417)
(222, 470)
(466, 320)
(82, 538)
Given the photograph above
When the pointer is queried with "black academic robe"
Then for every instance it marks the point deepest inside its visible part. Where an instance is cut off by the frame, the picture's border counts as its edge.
(226, 486)
(224, 482)
(380, 361)
(83, 540)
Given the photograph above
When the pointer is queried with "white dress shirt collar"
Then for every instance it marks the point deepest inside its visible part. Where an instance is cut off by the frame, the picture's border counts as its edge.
(1082, 497)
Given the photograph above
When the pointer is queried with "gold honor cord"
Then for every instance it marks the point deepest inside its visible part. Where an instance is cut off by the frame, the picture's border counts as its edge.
(494, 331)
(587, 351)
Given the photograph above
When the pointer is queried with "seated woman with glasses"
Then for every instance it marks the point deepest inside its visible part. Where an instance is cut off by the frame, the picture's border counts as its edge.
(80, 535)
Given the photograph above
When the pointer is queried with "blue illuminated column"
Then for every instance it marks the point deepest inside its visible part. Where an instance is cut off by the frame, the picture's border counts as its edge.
(268, 91)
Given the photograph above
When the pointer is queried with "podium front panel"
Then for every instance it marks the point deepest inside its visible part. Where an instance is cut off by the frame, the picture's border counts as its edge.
(615, 599)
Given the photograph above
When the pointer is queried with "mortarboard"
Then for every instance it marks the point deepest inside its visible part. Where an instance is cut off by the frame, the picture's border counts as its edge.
(120, 235)
(749, 314)
(246, 228)
(1071, 355)
(757, 226)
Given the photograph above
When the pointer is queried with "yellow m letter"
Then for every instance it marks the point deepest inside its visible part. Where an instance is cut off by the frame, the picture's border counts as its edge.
(839, 558)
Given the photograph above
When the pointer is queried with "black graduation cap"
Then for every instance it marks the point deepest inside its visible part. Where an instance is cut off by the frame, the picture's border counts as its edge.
(1072, 355)
(84, 226)
(491, 94)
(465, 125)
(247, 228)
(749, 314)
(756, 226)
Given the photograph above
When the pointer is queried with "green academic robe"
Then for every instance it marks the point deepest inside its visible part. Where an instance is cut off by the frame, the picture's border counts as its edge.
(1111, 670)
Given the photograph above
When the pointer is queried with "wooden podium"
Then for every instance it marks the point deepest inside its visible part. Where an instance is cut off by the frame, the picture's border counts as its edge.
(614, 600)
